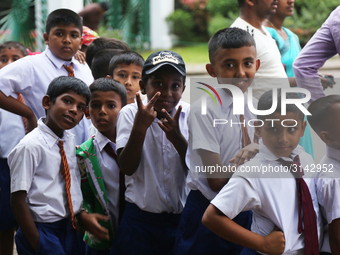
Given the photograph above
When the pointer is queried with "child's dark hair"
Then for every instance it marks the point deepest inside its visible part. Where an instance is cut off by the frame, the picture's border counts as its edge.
(63, 84)
(102, 44)
(266, 102)
(107, 84)
(127, 58)
(64, 17)
(15, 45)
(229, 38)
(100, 62)
(241, 3)
(321, 112)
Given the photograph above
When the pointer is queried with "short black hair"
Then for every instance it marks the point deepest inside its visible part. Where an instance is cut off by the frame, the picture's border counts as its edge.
(229, 38)
(63, 84)
(106, 84)
(266, 102)
(321, 112)
(101, 44)
(15, 45)
(240, 3)
(100, 62)
(127, 58)
(64, 17)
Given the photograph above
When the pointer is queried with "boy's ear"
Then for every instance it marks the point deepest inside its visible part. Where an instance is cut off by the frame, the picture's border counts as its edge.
(257, 129)
(81, 40)
(325, 137)
(46, 102)
(87, 113)
(210, 70)
(142, 87)
(304, 124)
(258, 64)
(46, 38)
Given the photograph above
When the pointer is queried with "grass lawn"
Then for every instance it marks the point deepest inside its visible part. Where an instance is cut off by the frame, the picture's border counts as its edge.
(197, 54)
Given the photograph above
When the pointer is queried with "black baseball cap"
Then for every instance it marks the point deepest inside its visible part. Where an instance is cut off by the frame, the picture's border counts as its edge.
(161, 58)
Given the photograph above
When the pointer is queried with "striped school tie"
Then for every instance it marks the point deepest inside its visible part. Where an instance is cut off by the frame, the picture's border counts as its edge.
(66, 174)
(69, 70)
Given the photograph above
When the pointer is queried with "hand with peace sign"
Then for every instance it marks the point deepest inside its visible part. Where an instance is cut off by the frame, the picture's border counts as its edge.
(146, 113)
(172, 131)
(144, 117)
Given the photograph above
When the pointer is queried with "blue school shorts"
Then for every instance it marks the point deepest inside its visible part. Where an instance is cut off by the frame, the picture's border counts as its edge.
(7, 219)
(57, 238)
(194, 238)
(145, 233)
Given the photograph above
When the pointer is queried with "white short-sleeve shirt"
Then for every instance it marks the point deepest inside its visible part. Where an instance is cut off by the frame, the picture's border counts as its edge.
(328, 191)
(267, 51)
(35, 165)
(223, 139)
(158, 185)
(273, 201)
(12, 130)
(110, 173)
(31, 76)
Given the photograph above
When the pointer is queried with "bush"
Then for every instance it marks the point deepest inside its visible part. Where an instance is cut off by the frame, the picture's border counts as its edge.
(216, 23)
(222, 7)
(181, 24)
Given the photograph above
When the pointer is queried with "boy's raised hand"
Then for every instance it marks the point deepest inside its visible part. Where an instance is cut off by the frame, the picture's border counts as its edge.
(146, 113)
(170, 125)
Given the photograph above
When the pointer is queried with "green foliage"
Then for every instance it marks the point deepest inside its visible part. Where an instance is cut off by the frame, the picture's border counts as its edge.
(216, 23)
(222, 7)
(109, 32)
(181, 24)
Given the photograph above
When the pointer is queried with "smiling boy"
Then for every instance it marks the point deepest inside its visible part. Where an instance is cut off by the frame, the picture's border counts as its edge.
(45, 181)
(151, 147)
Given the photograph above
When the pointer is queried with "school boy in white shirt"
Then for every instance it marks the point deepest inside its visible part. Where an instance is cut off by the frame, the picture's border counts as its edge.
(279, 202)
(325, 120)
(45, 180)
(102, 183)
(232, 61)
(31, 76)
(151, 146)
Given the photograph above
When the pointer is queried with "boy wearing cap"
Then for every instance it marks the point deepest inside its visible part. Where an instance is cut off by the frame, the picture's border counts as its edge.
(151, 145)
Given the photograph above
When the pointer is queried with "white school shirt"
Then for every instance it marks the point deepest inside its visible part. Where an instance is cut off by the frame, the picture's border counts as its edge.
(35, 165)
(110, 173)
(12, 130)
(328, 191)
(31, 76)
(223, 139)
(273, 200)
(158, 185)
(267, 51)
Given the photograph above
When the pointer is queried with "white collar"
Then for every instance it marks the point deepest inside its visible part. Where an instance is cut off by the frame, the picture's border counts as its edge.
(51, 138)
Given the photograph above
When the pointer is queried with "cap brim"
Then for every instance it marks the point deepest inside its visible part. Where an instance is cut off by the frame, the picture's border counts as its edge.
(162, 64)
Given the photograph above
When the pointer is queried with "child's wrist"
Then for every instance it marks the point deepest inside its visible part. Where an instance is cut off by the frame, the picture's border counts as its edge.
(78, 219)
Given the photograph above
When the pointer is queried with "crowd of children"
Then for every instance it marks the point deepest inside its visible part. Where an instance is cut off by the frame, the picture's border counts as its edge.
(130, 186)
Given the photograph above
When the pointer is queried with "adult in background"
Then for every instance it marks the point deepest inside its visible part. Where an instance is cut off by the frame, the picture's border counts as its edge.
(92, 14)
(289, 47)
(252, 15)
(324, 44)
